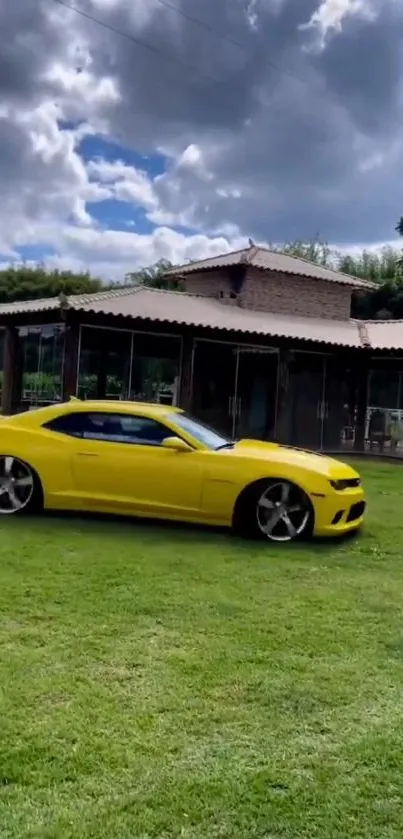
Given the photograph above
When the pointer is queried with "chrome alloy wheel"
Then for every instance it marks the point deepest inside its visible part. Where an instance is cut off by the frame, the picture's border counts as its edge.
(282, 512)
(16, 485)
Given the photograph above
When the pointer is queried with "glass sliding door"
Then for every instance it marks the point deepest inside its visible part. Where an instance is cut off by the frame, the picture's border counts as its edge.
(104, 366)
(338, 413)
(384, 427)
(304, 409)
(256, 393)
(214, 384)
(42, 364)
(155, 368)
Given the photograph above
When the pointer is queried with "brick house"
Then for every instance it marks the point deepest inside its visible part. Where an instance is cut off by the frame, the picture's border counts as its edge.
(257, 343)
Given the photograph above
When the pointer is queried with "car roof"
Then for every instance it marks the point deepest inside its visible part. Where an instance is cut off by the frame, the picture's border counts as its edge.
(109, 405)
(38, 416)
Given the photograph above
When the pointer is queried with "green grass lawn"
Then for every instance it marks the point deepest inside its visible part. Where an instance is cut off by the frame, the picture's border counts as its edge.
(168, 683)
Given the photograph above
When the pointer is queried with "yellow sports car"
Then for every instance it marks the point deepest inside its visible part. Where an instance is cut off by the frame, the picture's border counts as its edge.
(157, 461)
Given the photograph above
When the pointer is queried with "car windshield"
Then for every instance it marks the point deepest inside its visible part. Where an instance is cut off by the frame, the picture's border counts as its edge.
(202, 433)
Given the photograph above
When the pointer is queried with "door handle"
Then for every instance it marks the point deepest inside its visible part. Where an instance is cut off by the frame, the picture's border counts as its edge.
(87, 454)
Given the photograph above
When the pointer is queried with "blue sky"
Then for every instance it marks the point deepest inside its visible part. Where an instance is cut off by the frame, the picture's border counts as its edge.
(91, 148)
(120, 215)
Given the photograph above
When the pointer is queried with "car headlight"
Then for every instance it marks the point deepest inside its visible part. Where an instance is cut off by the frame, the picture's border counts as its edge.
(346, 483)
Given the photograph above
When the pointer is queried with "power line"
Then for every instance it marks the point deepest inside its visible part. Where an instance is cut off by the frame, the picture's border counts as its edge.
(133, 38)
(223, 37)
(274, 109)
(157, 51)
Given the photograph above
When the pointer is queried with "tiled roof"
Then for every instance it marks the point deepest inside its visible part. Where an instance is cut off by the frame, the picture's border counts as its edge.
(186, 309)
(266, 260)
(181, 309)
(189, 310)
(19, 307)
(384, 334)
(75, 301)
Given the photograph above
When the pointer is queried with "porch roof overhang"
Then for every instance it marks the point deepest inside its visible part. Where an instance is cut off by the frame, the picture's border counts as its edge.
(186, 310)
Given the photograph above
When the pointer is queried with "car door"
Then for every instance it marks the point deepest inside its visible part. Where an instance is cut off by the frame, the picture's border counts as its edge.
(119, 464)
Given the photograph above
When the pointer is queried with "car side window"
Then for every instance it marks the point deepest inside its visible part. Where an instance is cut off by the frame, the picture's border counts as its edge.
(111, 428)
(70, 424)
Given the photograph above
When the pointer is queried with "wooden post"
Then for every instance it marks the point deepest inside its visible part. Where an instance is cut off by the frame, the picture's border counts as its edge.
(186, 383)
(70, 360)
(12, 371)
(102, 373)
(282, 391)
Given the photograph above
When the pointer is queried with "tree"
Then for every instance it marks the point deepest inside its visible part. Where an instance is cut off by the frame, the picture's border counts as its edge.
(314, 251)
(154, 276)
(399, 226)
(378, 267)
(382, 267)
(23, 282)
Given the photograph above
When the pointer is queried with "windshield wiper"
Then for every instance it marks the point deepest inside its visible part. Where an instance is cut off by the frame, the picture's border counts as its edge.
(225, 446)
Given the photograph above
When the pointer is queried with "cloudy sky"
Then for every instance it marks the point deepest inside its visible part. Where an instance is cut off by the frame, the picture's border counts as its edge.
(179, 128)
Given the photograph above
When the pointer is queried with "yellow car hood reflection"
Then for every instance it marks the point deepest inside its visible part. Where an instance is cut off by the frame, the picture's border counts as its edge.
(274, 452)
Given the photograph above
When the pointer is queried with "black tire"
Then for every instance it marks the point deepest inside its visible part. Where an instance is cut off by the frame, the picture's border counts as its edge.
(245, 521)
(35, 506)
(31, 501)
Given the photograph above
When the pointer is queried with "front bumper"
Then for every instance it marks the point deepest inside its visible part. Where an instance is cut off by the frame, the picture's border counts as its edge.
(339, 512)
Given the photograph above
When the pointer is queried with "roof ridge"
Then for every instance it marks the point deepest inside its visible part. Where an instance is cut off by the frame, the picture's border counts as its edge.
(177, 268)
(175, 292)
(110, 293)
(251, 252)
(363, 334)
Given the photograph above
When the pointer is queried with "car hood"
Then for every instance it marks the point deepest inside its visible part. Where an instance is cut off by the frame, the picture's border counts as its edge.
(274, 452)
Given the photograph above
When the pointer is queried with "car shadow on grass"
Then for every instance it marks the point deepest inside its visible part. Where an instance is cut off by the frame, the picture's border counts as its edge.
(182, 532)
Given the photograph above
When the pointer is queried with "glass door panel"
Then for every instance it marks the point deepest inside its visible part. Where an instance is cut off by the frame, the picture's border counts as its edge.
(213, 385)
(304, 410)
(155, 368)
(42, 359)
(338, 422)
(384, 431)
(104, 365)
(256, 393)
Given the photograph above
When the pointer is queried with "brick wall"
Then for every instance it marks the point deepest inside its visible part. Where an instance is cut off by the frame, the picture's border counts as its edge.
(279, 293)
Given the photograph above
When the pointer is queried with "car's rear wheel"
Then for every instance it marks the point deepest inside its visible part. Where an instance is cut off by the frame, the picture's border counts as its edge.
(20, 488)
(276, 510)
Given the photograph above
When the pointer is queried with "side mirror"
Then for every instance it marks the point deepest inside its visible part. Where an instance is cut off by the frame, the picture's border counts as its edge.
(176, 444)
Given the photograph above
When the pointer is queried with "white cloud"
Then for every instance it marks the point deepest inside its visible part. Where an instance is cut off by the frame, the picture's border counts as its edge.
(329, 17)
(250, 150)
(125, 183)
(113, 253)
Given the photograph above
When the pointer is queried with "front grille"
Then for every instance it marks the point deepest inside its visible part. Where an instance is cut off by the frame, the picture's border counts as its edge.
(337, 517)
(356, 511)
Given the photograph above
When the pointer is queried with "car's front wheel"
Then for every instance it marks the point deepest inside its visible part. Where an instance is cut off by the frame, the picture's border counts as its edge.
(276, 510)
(20, 489)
